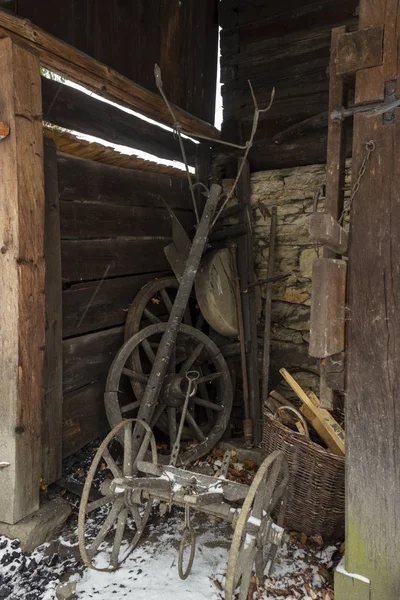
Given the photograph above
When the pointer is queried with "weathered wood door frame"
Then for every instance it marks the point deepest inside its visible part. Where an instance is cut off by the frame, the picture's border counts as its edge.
(373, 375)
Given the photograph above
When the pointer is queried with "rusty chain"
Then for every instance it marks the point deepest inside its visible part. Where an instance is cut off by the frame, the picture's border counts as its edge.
(369, 147)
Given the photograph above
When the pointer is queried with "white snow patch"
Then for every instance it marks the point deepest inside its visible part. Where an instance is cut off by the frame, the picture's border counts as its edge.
(341, 569)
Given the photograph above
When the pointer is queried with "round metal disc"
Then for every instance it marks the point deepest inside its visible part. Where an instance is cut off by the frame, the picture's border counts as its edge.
(215, 292)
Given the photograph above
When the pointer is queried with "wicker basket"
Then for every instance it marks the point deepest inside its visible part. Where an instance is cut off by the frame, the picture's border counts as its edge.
(316, 486)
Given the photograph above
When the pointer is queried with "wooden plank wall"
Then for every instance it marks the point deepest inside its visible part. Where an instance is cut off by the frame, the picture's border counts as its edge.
(287, 45)
(114, 227)
(131, 36)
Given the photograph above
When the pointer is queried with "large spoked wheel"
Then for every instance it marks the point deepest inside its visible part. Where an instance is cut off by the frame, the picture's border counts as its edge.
(153, 304)
(257, 536)
(113, 524)
(210, 406)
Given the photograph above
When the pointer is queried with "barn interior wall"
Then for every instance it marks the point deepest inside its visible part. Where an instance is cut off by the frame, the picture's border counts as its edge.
(285, 45)
(130, 36)
(113, 227)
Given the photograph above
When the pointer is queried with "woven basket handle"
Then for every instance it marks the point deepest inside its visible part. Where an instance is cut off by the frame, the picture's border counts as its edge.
(298, 415)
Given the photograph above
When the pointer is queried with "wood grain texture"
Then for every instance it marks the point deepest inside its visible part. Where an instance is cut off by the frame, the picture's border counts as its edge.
(81, 68)
(327, 307)
(96, 305)
(81, 179)
(87, 358)
(372, 401)
(94, 219)
(84, 417)
(246, 278)
(285, 46)
(359, 50)
(72, 109)
(130, 37)
(22, 276)
(52, 376)
(85, 260)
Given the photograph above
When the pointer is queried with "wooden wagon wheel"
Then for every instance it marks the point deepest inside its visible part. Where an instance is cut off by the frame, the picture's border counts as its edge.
(256, 538)
(153, 304)
(207, 415)
(117, 517)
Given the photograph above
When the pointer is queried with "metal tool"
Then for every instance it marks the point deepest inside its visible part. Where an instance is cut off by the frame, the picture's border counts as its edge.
(342, 113)
(131, 492)
(191, 377)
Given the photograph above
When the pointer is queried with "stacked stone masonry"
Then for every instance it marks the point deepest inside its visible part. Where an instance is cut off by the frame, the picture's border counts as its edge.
(292, 192)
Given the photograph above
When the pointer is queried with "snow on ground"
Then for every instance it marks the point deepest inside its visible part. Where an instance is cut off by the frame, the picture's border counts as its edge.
(151, 573)
(303, 570)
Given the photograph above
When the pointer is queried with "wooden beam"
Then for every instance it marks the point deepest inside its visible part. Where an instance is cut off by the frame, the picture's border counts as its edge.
(81, 68)
(361, 49)
(85, 260)
(70, 108)
(327, 307)
(52, 376)
(325, 230)
(81, 179)
(247, 277)
(22, 276)
(322, 421)
(373, 377)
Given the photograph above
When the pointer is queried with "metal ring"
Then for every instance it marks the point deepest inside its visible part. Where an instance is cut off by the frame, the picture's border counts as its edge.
(192, 375)
(370, 146)
(186, 534)
(298, 415)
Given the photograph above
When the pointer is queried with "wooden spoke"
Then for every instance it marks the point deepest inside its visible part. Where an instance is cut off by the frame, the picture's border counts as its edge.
(105, 528)
(187, 364)
(166, 299)
(187, 319)
(149, 351)
(262, 501)
(99, 503)
(131, 406)
(194, 427)
(119, 534)
(128, 450)
(151, 316)
(111, 464)
(136, 517)
(207, 404)
(247, 563)
(158, 411)
(133, 375)
(172, 425)
(208, 378)
(204, 391)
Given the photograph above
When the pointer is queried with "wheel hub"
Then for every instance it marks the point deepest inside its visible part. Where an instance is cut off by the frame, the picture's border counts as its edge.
(175, 388)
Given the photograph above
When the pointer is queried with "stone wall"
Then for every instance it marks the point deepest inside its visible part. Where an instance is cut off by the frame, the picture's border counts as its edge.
(292, 191)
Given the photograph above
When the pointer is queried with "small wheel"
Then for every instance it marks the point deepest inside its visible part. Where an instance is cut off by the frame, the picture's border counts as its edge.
(209, 409)
(256, 538)
(117, 514)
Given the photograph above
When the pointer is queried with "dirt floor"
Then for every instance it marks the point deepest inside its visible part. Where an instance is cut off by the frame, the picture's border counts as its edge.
(303, 569)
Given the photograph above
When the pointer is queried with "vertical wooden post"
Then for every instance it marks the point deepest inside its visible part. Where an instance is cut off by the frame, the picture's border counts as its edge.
(52, 376)
(247, 277)
(22, 274)
(335, 176)
(373, 374)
